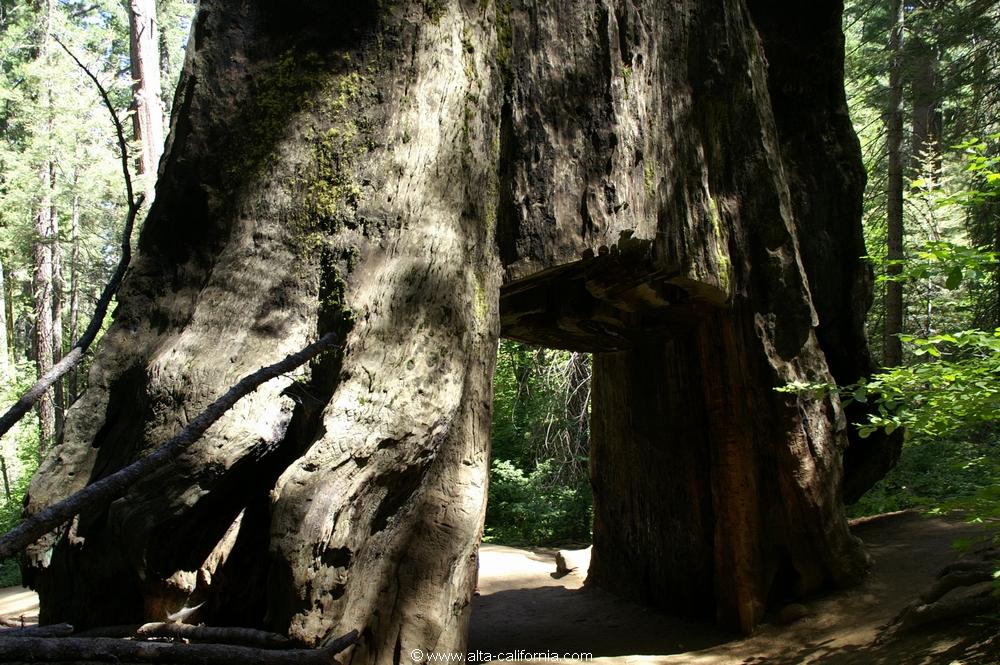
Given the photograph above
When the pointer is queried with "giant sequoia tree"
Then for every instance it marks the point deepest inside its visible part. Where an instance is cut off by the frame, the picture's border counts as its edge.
(672, 185)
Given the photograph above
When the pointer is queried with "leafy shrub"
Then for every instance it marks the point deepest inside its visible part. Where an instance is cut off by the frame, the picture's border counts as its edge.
(536, 508)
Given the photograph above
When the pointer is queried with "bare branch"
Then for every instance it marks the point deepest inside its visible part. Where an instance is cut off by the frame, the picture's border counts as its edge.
(115, 485)
(122, 143)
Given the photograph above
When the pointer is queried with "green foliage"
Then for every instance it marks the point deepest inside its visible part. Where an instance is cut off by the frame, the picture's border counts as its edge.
(19, 449)
(536, 507)
(539, 482)
(956, 388)
(959, 470)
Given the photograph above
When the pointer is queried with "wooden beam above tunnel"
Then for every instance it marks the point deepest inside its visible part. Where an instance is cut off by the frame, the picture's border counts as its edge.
(611, 301)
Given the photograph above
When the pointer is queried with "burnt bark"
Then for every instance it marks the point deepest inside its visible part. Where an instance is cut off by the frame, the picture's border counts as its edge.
(416, 177)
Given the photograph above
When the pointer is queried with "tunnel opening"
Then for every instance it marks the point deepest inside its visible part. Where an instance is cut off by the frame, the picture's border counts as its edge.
(539, 490)
(633, 325)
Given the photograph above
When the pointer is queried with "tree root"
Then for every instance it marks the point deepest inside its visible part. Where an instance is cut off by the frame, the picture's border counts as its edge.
(974, 573)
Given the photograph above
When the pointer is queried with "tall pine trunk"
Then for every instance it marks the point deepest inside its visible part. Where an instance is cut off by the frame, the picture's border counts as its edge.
(44, 227)
(892, 348)
(147, 122)
(6, 341)
(420, 177)
(72, 383)
(58, 289)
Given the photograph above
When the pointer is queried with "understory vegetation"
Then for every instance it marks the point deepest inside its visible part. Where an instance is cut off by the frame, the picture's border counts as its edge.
(539, 481)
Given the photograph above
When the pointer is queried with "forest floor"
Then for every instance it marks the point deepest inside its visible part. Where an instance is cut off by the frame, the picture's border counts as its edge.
(524, 607)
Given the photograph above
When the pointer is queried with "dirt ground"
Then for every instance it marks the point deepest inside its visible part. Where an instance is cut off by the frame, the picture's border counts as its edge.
(522, 606)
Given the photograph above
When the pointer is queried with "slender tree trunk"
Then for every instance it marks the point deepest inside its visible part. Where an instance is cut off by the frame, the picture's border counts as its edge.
(147, 122)
(166, 69)
(43, 308)
(44, 243)
(925, 90)
(58, 289)
(892, 349)
(74, 291)
(8, 316)
(6, 358)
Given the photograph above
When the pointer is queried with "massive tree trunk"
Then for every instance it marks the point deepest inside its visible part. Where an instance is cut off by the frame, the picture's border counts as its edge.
(612, 178)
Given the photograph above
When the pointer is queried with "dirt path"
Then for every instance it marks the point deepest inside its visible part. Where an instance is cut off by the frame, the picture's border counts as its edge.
(522, 607)
(19, 604)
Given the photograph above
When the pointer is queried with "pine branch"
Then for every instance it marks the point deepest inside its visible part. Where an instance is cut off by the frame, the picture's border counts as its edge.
(115, 485)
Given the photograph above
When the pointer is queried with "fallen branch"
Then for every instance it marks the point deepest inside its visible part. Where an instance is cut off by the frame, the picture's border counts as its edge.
(104, 649)
(82, 345)
(52, 630)
(115, 485)
(214, 634)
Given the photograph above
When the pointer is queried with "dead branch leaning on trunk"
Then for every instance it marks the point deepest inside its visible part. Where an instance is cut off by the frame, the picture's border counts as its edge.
(113, 486)
(61, 368)
(103, 649)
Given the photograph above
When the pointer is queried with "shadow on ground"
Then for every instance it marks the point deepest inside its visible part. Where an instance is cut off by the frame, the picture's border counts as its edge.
(523, 608)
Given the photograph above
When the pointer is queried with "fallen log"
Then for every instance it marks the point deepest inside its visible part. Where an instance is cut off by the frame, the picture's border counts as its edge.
(52, 630)
(214, 634)
(105, 649)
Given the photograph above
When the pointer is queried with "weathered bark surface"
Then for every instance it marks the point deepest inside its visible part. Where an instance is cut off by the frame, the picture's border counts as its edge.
(380, 171)
(328, 169)
(693, 168)
(804, 48)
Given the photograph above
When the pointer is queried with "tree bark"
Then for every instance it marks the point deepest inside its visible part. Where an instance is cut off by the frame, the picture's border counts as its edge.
(147, 122)
(892, 348)
(417, 176)
(804, 47)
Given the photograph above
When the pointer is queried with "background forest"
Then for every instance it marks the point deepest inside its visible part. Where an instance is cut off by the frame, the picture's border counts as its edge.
(923, 83)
